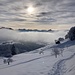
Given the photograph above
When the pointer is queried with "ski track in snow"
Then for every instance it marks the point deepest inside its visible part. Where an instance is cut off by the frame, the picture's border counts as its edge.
(59, 67)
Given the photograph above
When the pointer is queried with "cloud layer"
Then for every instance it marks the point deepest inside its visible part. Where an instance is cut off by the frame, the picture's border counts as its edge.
(46, 11)
(42, 37)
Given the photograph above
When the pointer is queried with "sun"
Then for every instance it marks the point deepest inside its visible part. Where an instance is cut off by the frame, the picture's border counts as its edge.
(30, 10)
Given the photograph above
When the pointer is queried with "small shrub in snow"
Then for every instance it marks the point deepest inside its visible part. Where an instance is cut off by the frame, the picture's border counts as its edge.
(57, 42)
(61, 39)
(4, 61)
(41, 52)
(9, 60)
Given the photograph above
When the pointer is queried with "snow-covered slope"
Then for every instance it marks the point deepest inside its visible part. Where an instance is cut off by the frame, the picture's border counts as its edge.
(33, 63)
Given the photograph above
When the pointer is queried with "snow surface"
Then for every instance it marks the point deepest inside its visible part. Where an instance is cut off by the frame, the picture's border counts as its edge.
(33, 63)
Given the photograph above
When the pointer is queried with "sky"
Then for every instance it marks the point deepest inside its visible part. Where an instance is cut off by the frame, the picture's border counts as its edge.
(37, 14)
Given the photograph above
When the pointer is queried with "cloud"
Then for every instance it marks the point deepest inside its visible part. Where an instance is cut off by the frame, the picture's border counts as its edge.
(37, 3)
(45, 20)
(43, 14)
(54, 11)
(37, 37)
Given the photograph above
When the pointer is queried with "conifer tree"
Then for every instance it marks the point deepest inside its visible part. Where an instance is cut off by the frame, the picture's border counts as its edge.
(13, 50)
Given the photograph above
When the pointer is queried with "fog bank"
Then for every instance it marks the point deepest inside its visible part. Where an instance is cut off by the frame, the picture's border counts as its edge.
(39, 37)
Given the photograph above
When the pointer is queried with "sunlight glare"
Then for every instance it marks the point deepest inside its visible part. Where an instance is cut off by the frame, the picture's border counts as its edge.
(30, 10)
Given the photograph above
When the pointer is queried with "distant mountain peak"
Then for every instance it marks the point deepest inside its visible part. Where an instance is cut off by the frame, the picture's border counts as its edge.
(6, 28)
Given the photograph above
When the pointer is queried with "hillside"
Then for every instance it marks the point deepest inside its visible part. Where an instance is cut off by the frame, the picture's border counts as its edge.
(20, 47)
(33, 63)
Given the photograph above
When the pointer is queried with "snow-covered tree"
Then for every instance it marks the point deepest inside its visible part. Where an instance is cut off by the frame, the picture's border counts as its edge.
(57, 51)
(72, 34)
(67, 36)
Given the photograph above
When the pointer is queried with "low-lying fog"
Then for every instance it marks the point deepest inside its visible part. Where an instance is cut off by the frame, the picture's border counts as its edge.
(38, 37)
